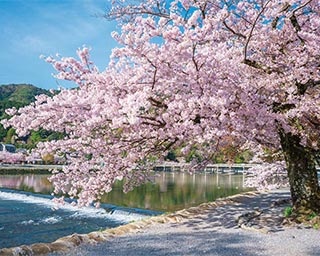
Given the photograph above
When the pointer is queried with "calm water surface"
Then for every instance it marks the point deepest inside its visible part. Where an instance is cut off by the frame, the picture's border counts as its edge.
(28, 215)
(170, 190)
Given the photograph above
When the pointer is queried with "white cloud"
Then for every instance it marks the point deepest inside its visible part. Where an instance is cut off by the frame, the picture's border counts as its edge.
(33, 44)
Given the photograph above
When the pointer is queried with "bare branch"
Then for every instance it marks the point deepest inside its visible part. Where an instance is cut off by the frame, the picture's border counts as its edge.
(126, 13)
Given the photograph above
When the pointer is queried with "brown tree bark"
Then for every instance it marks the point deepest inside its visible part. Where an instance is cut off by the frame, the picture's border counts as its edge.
(302, 173)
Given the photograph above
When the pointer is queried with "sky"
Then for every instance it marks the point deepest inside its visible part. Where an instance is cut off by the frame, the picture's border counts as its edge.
(31, 28)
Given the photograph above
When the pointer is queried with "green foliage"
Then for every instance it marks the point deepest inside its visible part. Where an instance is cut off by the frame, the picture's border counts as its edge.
(288, 211)
(243, 157)
(194, 155)
(312, 216)
(229, 154)
(3, 132)
(232, 154)
(171, 156)
(41, 135)
(9, 136)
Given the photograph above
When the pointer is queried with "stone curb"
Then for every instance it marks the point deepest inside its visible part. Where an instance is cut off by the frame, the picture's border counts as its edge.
(67, 243)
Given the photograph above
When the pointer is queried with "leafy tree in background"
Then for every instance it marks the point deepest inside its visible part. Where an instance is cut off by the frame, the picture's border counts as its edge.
(3, 132)
(189, 75)
(9, 136)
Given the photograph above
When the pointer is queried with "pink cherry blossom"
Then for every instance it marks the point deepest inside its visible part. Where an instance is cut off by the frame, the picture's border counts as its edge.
(187, 74)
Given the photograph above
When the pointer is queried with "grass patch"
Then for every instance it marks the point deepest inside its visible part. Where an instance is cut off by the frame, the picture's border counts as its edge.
(288, 211)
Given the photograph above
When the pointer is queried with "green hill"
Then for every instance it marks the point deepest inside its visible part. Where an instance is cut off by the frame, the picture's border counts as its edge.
(16, 95)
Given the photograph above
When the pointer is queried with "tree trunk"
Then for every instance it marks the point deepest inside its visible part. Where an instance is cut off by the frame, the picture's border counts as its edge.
(302, 173)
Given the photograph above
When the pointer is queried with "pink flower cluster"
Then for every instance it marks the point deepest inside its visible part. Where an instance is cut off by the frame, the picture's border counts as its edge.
(267, 176)
(12, 158)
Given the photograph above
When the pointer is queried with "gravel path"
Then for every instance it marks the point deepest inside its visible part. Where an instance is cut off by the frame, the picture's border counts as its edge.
(217, 232)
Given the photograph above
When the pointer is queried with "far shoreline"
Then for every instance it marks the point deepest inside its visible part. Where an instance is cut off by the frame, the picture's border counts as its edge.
(28, 168)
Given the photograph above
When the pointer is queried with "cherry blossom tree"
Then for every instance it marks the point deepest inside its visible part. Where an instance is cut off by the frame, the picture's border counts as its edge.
(11, 158)
(188, 75)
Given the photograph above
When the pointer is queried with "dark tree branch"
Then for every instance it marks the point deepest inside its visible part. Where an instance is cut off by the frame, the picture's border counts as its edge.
(302, 88)
(232, 31)
(252, 29)
(157, 103)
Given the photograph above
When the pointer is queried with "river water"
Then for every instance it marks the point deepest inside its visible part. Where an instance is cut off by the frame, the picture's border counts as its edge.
(28, 215)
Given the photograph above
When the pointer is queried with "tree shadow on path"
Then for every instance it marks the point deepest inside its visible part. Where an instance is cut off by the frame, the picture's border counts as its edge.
(214, 231)
(264, 205)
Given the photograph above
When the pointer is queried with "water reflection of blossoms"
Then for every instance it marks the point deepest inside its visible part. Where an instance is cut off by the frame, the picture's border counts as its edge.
(31, 182)
(168, 192)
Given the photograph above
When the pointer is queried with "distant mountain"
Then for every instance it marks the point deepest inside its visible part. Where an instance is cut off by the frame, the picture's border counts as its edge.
(20, 93)
(17, 95)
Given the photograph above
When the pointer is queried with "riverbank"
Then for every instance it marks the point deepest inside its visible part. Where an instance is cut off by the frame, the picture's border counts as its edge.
(27, 168)
(249, 224)
(246, 224)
